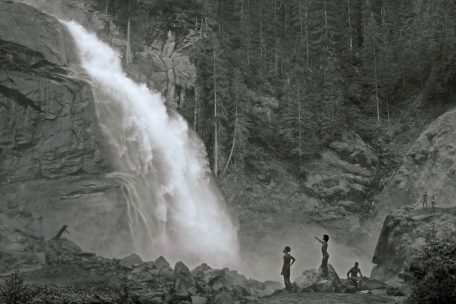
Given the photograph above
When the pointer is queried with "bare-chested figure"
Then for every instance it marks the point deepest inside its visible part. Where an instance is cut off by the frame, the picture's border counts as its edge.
(288, 260)
(324, 251)
(352, 274)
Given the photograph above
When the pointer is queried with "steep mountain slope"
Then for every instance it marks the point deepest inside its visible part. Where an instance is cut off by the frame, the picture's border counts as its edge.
(53, 167)
(52, 163)
(276, 201)
(404, 235)
(427, 166)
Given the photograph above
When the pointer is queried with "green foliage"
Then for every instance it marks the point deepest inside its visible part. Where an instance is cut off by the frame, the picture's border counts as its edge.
(14, 291)
(435, 270)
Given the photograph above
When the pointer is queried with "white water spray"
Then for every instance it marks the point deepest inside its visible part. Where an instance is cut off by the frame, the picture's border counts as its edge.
(174, 207)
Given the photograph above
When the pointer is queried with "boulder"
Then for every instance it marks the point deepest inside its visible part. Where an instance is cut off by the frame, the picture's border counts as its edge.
(307, 279)
(324, 286)
(428, 165)
(224, 297)
(184, 279)
(202, 288)
(162, 263)
(130, 261)
(198, 272)
(199, 300)
(312, 280)
(404, 235)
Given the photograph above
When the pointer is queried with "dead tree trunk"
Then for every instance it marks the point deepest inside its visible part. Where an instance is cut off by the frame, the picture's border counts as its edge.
(60, 233)
(299, 123)
(307, 33)
(128, 56)
(234, 136)
(350, 39)
(374, 45)
(195, 110)
(215, 117)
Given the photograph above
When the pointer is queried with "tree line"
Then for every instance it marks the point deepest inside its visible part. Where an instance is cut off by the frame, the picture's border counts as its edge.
(285, 77)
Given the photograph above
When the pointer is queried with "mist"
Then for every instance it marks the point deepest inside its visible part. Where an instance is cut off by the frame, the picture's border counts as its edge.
(265, 261)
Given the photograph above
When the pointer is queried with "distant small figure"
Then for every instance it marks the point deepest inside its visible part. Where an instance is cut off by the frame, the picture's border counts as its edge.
(424, 201)
(372, 208)
(433, 203)
(324, 251)
(288, 260)
(352, 274)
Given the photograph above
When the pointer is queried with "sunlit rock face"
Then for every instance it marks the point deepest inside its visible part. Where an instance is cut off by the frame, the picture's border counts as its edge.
(52, 162)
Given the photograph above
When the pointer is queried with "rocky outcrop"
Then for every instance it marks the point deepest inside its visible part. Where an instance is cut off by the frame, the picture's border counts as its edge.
(165, 66)
(404, 234)
(52, 159)
(429, 165)
(312, 280)
(87, 278)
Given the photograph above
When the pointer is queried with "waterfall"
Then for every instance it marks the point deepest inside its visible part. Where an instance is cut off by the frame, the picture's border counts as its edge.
(174, 207)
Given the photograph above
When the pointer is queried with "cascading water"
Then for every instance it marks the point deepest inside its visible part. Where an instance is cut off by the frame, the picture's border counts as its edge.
(174, 207)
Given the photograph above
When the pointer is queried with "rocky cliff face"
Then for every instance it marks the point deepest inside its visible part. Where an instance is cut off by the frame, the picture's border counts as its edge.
(403, 236)
(429, 165)
(52, 165)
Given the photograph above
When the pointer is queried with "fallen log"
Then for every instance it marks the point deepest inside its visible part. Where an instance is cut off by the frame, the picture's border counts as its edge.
(61, 232)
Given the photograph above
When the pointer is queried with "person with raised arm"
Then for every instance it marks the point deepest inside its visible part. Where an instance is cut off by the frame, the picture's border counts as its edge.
(324, 251)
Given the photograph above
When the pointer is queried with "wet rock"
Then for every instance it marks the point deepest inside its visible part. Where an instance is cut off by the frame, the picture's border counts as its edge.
(199, 300)
(324, 286)
(198, 272)
(19, 23)
(52, 165)
(312, 280)
(130, 261)
(307, 280)
(224, 298)
(202, 288)
(162, 263)
(184, 279)
(371, 284)
(145, 266)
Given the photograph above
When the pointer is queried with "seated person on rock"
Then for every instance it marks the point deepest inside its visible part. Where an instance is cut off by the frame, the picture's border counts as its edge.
(352, 274)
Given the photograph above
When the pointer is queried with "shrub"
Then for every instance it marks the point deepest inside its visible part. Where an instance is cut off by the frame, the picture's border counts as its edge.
(14, 291)
(434, 270)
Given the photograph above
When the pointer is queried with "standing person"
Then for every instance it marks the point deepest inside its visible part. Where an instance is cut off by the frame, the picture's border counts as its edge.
(288, 260)
(324, 251)
(433, 203)
(352, 274)
(424, 201)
